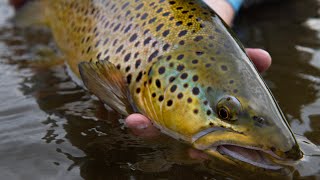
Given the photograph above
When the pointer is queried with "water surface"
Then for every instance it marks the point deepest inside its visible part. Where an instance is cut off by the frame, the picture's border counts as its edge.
(50, 128)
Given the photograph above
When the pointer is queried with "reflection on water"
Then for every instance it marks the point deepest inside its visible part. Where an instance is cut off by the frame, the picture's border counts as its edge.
(52, 129)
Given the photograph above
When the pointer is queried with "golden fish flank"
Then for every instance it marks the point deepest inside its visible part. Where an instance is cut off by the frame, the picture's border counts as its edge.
(177, 63)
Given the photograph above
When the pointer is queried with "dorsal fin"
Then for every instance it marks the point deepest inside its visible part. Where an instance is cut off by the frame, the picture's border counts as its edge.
(105, 81)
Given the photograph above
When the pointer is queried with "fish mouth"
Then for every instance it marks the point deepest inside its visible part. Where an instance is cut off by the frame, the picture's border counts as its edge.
(251, 155)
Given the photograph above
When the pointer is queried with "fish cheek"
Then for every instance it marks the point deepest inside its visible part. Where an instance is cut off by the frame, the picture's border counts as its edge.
(183, 111)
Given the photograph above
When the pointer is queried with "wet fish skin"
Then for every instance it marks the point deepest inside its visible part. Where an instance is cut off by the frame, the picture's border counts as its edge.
(183, 67)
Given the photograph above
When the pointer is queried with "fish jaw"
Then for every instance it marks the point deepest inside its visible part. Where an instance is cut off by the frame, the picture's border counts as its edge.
(239, 148)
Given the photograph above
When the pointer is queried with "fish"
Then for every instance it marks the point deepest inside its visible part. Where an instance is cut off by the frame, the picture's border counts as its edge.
(180, 65)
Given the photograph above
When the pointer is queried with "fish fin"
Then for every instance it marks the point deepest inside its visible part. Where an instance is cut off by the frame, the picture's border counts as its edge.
(31, 13)
(105, 81)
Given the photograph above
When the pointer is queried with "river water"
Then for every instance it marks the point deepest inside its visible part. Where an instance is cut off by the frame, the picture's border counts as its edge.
(50, 128)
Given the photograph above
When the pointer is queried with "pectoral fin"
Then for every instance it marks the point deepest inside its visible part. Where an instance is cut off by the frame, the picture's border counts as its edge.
(105, 81)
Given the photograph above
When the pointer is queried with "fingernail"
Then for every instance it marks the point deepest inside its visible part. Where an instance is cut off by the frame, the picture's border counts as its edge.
(142, 126)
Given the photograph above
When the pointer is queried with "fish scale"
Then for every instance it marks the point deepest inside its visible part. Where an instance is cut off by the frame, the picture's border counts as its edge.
(176, 62)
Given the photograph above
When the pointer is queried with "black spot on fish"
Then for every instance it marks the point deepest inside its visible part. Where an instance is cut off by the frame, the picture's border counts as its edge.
(178, 23)
(138, 62)
(195, 91)
(165, 47)
(139, 77)
(199, 53)
(195, 78)
(159, 10)
(127, 28)
(119, 49)
(166, 33)
(189, 24)
(181, 42)
(158, 83)
(153, 95)
(173, 88)
(195, 111)
(129, 77)
(161, 70)
(146, 31)
(180, 96)
(224, 68)
(147, 40)
(125, 5)
(189, 100)
(182, 33)
(198, 38)
(153, 55)
(138, 90)
(160, 98)
(133, 37)
(127, 57)
(208, 112)
(180, 67)
(172, 2)
(184, 76)
(195, 61)
(117, 27)
(180, 56)
(171, 79)
(159, 27)
(128, 68)
(144, 16)
(169, 103)
(166, 14)
(152, 20)
(139, 6)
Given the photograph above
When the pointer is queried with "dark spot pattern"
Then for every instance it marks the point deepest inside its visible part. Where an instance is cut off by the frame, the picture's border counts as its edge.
(162, 70)
(195, 91)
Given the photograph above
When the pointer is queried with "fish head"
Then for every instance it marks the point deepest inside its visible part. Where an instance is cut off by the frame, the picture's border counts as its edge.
(247, 124)
(220, 105)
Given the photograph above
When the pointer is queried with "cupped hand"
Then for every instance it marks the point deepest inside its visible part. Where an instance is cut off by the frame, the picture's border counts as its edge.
(142, 126)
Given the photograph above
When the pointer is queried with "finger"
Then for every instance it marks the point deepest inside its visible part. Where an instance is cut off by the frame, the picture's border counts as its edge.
(260, 58)
(17, 3)
(141, 126)
(196, 154)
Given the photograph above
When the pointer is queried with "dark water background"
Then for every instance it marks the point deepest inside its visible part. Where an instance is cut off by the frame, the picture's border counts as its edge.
(52, 129)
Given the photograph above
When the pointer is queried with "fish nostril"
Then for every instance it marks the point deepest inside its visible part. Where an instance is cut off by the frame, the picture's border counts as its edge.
(258, 119)
(294, 153)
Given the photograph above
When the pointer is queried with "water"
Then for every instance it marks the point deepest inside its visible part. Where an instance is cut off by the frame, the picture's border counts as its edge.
(52, 129)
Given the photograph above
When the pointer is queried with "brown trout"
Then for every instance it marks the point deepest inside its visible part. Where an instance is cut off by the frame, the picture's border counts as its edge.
(176, 62)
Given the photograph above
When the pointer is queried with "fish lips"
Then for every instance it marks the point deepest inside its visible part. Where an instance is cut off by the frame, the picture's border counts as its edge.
(251, 155)
(237, 152)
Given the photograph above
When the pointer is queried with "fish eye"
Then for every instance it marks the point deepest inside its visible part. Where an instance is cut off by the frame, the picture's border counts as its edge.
(228, 108)
(224, 113)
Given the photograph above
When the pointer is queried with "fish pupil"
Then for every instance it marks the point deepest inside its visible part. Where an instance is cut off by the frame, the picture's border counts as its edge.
(223, 113)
